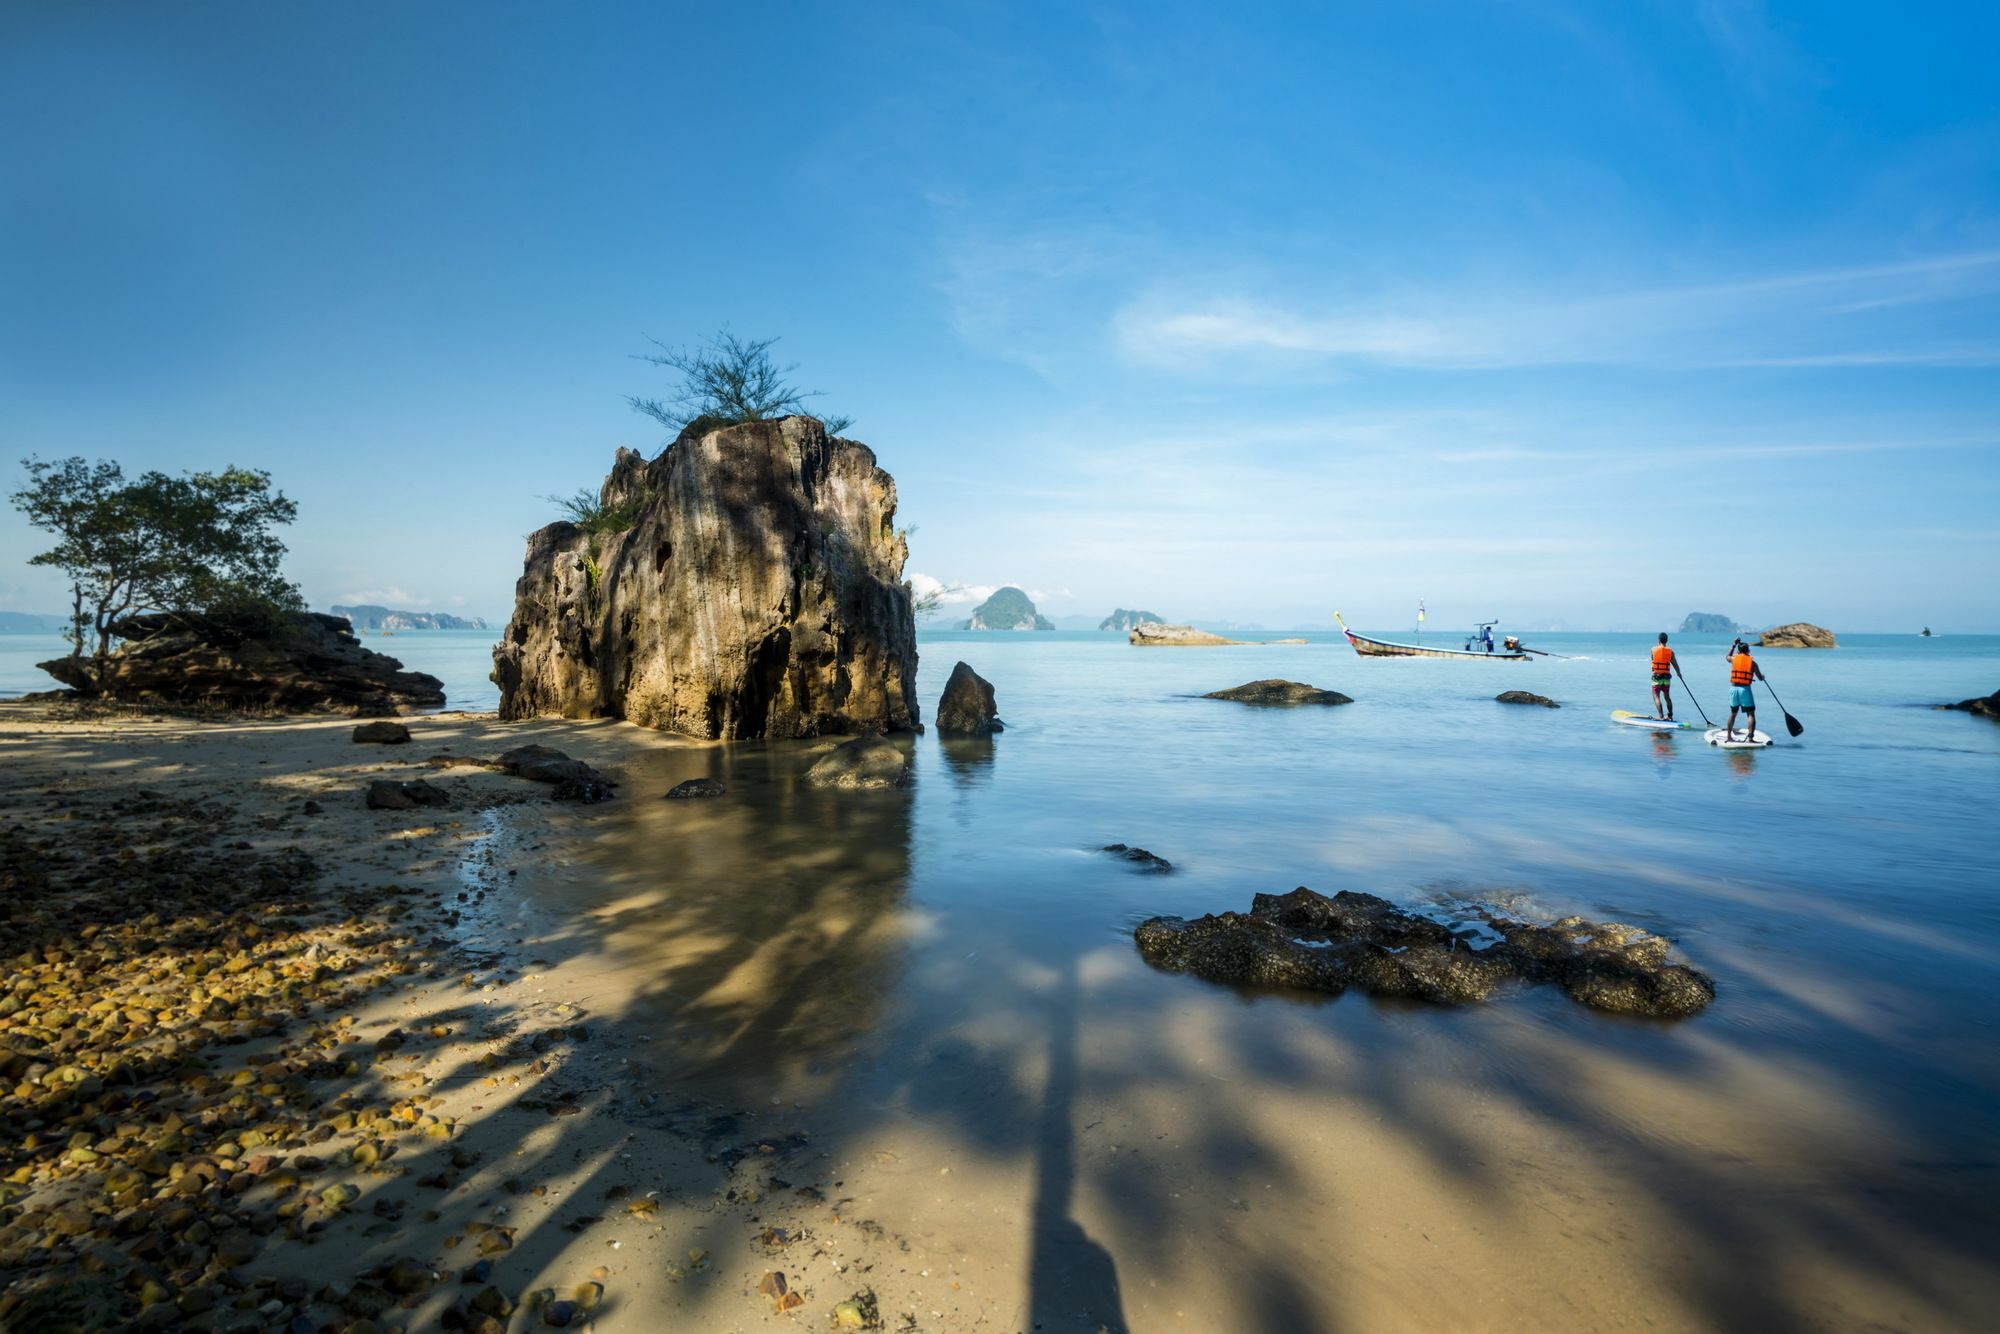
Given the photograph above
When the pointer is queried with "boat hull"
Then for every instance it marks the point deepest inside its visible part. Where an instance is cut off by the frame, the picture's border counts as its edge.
(1381, 648)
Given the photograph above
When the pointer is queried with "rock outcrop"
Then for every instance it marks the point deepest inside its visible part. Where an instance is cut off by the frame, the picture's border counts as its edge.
(573, 779)
(753, 588)
(867, 763)
(1123, 620)
(966, 707)
(1007, 609)
(1988, 707)
(295, 663)
(381, 734)
(1158, 634)
(1708, 623)
(1308, 942)
(1796, 635)
(1279, 692)
(1524, 697)
(1151, 862)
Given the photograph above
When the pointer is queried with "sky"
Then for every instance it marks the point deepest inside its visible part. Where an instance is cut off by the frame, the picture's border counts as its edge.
(1571, 314)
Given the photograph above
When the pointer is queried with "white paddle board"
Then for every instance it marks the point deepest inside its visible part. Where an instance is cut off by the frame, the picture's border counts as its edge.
(1648, 721)
(1744, 740)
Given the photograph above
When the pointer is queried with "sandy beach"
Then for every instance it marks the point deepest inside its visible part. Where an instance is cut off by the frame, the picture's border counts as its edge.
(482, 1065)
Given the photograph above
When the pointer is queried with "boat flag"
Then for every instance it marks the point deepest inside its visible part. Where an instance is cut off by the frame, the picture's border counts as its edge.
(1420, 616)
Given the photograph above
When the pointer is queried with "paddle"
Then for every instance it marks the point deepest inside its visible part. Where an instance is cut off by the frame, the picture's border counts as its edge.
(1792, 725)
(1544, 653)
(1690, 692)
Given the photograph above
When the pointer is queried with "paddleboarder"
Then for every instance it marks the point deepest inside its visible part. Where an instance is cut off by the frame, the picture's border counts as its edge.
(1663, 680)
(1743, 669)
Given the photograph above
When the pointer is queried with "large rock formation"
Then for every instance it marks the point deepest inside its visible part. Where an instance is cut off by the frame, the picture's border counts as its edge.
(368, 616)
(1154, 634)
(1987, 706)
(299, 662)
(754, 589)
(966, 707)
(1007, 609)
(1123, 620)
(1797, 635)
(1308, 942)
(1707, 623)
(1279, 692)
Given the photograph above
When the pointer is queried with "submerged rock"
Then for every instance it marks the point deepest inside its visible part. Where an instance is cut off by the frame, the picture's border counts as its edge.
(1797, 635)
(295, 662)
(381, 734)
(1154, 634)
(966, 707)
(755, 589)
(1306, 941)
(1988, 707)
(573, 779)
(387, 794)
(1279, 692)
(1524, 697)
(1144, 860)
(867, 762)
(695, 787)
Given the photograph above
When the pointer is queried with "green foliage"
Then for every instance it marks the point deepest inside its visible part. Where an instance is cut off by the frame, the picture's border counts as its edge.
(587, 510)
(201, 542)
(726, 380)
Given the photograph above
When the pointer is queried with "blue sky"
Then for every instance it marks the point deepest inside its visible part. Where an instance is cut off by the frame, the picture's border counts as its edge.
(1597, 313)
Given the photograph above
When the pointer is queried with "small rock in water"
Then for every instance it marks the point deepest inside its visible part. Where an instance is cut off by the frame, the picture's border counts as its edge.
(381, 734)
(966, 707)
(696, 787)
(573, 779)
(1279, 692)
(865, 763)
(1524, 697)
(1146, 861)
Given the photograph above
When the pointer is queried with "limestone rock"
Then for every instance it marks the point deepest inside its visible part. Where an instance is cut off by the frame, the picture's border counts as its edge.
(1152, 634)
(1797, 635)
(966, 707)
(1007, 609)
(1306, 941)
(382, 734)
(1279, 692)
(757, 592)
(299, 662)
(695, 787)
(1525, 697)
(1123, 620)
(1988, 707)
(386, 794)
(865, 763)
(1707, 623)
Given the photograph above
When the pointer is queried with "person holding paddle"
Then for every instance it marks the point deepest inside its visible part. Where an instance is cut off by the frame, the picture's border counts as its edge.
(1743, 669)
(1665, 664)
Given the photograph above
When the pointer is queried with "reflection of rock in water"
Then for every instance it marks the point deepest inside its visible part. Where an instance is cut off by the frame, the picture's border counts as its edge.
(765, 929)
(968, 759)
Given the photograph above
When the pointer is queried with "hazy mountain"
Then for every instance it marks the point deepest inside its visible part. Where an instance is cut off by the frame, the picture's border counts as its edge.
(371, 617)
(1008, 609)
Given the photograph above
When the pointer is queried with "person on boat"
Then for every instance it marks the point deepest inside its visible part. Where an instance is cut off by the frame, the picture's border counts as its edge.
(1486, 637)
(1663, 680)
(1743, 669)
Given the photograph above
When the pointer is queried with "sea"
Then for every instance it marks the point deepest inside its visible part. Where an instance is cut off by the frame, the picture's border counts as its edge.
(1827, 1133)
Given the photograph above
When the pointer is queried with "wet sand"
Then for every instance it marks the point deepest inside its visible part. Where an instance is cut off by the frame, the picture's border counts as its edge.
(688, 1044)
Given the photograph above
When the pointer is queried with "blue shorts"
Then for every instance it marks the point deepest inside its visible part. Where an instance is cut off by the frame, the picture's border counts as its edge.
(1741, 698)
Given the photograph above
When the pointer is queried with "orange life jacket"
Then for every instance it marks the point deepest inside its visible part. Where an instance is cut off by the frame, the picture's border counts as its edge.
(1741, 669)
(1663, 660)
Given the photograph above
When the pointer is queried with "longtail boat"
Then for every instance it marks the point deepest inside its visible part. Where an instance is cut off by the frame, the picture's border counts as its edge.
(1382, 648)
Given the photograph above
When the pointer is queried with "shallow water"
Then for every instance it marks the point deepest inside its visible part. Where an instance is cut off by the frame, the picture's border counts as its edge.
(954, 966)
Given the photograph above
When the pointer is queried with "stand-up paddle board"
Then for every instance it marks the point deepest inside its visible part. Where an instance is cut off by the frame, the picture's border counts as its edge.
(1647, 720)
(1744, 740)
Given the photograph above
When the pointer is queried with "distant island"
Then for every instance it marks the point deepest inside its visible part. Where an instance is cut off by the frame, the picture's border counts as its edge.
(371, 617)
(1708, 623)
(1008, 609)
(1122, 620)
(26, 622)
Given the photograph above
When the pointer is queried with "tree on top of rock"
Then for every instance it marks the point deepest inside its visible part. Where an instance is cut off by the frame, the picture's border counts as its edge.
(199, 542)
(726, 380)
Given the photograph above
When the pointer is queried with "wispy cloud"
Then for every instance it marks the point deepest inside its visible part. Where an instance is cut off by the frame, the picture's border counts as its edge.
(1809, 318)
(392, 597)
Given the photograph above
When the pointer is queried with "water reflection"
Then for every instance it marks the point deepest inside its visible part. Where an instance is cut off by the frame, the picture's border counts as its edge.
(968, 759)
(762, 928)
